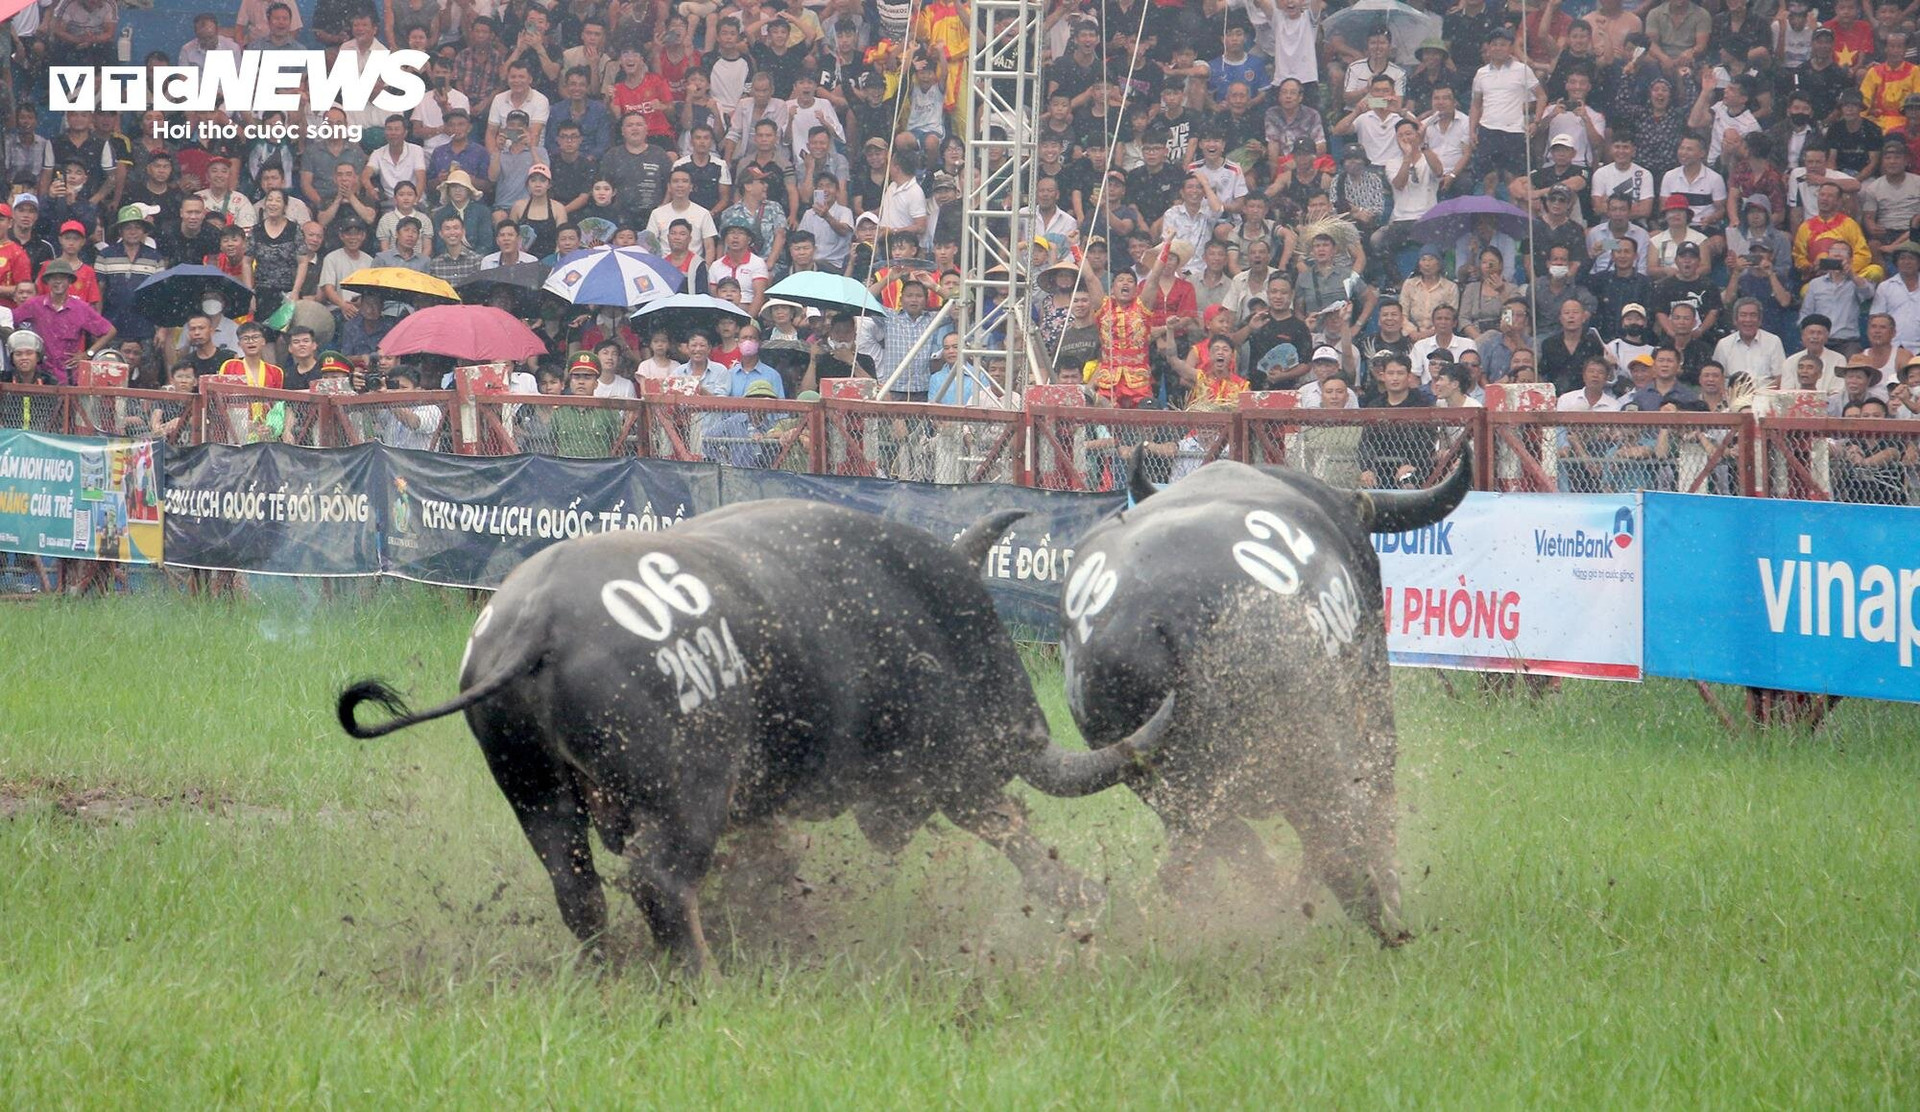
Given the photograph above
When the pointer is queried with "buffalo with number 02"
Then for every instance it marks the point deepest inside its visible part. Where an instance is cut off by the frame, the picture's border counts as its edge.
(766, 661)
(1254, 596)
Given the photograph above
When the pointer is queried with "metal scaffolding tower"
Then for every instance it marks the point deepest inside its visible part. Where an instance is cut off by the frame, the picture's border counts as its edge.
(1003, 70)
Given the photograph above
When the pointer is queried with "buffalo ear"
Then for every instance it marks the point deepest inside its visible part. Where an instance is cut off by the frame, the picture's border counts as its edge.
(1138, 484)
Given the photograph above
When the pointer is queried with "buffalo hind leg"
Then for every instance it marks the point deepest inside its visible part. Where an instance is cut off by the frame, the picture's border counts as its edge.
(1341, 852)
(556, 821)
(1002, 823)
(670, 855)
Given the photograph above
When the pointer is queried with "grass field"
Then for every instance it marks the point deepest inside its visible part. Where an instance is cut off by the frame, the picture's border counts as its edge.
(210, 896)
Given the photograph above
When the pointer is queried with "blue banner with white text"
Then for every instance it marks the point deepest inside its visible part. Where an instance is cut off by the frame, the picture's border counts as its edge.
(1821, 597)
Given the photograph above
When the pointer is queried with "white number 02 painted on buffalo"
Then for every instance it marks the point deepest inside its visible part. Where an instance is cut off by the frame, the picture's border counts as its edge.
(1088, 591)
(1335, 614)
(1263, 562)
(645, 608)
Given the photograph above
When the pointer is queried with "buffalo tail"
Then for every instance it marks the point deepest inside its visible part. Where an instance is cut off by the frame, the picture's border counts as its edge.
(379, 692)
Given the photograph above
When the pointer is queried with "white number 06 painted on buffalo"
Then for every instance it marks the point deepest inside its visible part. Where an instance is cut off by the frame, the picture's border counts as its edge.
(1088, 591)
(1335, 614)
(645, 608)
(701, 664)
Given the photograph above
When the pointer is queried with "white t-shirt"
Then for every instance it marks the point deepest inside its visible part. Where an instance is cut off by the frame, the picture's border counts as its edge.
(1295, 46)
(1723, 122)
(1573, 127)
(745, 273)
(699, 217)
(618, 388)
(394, 169)
(901, 204)
(829, 247)
(1504, 92)
(1608, 178)
(1421, 191)
(1805, 196)
(536, 106)
(1575, 401)
(1360, 75)
(1376, 135)
(429, 115)
(1708, 184)
(1449, 141)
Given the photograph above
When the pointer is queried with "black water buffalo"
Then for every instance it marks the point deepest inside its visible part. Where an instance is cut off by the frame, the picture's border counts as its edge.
(1255, 596)
(775, 659)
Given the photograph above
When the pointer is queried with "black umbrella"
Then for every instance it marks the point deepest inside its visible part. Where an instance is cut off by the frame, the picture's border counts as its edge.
(171, 296)
(521, 281)
(683, 313)
(789, 357)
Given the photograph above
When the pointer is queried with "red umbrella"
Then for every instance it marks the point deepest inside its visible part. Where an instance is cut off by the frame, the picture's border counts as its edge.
(476, 333)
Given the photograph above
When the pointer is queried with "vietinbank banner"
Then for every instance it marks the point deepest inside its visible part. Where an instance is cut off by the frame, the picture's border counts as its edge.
(1803, 596)
(1542, 583)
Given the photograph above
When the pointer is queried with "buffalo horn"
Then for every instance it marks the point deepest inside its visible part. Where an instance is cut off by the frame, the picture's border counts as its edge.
(1396, 511)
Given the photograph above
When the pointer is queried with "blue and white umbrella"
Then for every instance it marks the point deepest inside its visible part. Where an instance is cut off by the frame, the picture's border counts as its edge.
(626, 277)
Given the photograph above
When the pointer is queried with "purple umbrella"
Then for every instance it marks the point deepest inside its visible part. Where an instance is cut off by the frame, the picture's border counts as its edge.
(1449, 220)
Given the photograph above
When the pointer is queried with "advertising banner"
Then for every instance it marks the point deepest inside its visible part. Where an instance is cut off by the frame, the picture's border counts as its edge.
(1822, 597)
(1025, 572)
(466, 522)
(80, 496)
(274, 509)
(1542, 583)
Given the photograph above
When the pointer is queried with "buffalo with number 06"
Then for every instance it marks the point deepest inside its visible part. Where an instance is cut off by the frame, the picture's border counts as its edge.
(771, 660)
(1254, 597)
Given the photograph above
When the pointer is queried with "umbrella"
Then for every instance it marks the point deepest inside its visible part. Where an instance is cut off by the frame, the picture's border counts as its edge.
(789, 357)
(474, 333)
(828, 292)
(171, 296)
(685, 312)
(522, 280)
(309, 313)
(1449, 220)
(1408, 25)
(623, 277)
(399, 283)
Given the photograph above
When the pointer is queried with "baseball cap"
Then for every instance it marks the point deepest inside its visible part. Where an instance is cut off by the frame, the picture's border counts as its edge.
(1632, 307)
(73, 226)
(1562, 140)
(1687, 249)
(27, 199)
(541, 170)
(876, 141)
(1675, 201)
(1327, 353)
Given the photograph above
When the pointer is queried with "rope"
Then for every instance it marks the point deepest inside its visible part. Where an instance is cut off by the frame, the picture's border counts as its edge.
(1113, 144)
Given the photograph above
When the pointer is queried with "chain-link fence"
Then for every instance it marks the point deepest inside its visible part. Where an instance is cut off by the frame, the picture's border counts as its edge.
(417, 419)
(923, 443)
(233, 413)
(1873, 460)
(1362, 447)
(34, 408)
(1089, 449)
(766, 433)
(552, 425)
(168, 415)
(1614, 453)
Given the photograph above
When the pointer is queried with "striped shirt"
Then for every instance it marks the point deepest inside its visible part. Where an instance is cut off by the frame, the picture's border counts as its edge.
(901, 332)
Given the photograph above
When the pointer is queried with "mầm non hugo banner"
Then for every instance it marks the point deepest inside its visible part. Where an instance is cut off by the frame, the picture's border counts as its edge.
(1544, 583)
(274, 509)
(1821, 597)
(466, 522)
(80, 496)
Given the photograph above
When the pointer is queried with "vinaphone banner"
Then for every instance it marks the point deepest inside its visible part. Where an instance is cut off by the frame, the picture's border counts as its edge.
(78, 496)
(1801, 596)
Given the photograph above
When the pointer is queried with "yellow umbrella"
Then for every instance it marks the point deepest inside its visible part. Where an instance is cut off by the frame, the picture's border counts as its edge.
(397, 283)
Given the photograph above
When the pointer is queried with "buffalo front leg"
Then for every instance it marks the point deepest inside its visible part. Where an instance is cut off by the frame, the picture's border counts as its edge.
(1001, 822)
(556, 822)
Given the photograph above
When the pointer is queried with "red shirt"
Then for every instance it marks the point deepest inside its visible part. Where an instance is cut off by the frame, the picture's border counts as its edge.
(1852, 41)
(676, 72)
(15, 268)
(86, 284)
(652, 87)
(1179, 300)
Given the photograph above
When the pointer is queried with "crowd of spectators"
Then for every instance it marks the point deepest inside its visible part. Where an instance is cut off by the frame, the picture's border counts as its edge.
(1229, 196)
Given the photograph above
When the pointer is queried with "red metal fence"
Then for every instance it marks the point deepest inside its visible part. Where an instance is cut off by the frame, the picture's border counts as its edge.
(1059, 447)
